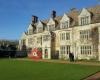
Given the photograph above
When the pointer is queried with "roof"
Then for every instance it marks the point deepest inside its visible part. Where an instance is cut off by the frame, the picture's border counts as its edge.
(95, 11)
(45, 21)
(73, 15)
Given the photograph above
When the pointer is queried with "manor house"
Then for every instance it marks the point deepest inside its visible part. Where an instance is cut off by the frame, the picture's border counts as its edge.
(77, 31)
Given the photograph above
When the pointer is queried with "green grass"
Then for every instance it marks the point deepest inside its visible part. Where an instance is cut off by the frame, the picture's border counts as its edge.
(30, 70)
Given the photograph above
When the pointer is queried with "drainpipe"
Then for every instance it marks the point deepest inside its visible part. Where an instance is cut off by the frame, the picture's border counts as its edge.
(99, 44)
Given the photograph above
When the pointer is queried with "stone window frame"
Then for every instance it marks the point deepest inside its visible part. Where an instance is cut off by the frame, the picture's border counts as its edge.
(30, 31)
(39, 29)
(65, 49)
(86, 49)
(85, 34)
(64, 36)
(39, 40)
(65, 24)
(46, 38)
(84, 20)
(51, 27)
(31, 41)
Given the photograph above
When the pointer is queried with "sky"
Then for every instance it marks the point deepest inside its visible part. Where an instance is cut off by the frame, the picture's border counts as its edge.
(15, 15)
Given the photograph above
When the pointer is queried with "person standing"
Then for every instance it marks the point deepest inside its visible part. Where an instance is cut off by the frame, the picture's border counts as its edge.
(71, 57)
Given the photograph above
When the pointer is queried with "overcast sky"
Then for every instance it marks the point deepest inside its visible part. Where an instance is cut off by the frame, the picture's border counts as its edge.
(15, 15)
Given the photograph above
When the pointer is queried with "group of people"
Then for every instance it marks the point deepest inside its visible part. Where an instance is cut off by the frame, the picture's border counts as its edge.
(71, 57)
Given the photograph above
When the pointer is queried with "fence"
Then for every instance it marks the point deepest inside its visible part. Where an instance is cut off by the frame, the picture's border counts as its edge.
(12, 54)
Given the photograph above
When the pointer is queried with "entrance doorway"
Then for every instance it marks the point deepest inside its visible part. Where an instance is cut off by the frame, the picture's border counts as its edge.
(46, 53)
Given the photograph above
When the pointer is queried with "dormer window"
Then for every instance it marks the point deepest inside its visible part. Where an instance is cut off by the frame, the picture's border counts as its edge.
(65, 24)
(85, 20)
(30, 31)
(84, 17)
(39, 27)
(45, 28)
(51, 27)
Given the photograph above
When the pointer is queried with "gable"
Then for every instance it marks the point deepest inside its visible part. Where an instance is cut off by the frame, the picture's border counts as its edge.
(64, 18)
(23, 36)
(30, 27)
(84, 12)
(39, 24)
(51, 21)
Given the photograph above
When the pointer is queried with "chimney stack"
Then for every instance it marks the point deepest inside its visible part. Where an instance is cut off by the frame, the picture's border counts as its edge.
(34, 19)
(53, 14)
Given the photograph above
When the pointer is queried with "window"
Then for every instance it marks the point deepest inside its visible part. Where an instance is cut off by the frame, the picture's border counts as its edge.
(65, 25)
(68, 49)
(23, 41)
(23, 44)
(62, 36)
(39, 40)
(85, 49)
(39, 29)
(85, 20)
(45, 28)
(46, 37)
(65, 49)
(30, 31)
(85, 34)
(62, 49)
(65, 36)
(31, 41)
(51, 27)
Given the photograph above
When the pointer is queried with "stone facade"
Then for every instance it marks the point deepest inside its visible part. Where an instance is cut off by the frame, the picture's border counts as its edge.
(77, 32)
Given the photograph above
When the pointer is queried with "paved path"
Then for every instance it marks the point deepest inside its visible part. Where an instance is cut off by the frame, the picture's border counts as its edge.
(75, 62)
(94, 77)
(64, 61)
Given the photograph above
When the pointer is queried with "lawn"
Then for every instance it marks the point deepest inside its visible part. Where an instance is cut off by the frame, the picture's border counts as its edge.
(30, 70)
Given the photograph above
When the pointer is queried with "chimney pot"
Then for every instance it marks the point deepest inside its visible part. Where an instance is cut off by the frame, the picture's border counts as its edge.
(34, 19)
(53, 14)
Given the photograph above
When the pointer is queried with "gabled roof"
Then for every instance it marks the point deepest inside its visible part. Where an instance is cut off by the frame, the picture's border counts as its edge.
(95, 11)
(40, 22)
(45, 21)
(84, 12)
(58, 18)
(73, 15)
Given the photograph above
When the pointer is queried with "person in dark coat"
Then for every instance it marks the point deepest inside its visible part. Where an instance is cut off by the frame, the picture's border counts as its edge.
(71, 57)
